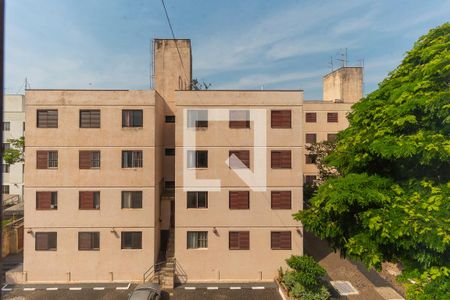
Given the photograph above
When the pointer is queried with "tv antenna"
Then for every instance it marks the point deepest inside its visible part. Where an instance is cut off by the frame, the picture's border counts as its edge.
(343, 58)
(331, 63)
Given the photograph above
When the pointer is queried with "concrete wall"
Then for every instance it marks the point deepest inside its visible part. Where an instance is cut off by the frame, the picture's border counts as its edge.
(217, 262)
(110, 263)
(14, 106)
(345, 84)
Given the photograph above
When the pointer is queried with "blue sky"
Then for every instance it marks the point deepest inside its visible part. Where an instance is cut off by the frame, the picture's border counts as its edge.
(236, 44)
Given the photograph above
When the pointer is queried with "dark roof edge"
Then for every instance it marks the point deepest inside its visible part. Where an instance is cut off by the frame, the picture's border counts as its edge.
(239, 90)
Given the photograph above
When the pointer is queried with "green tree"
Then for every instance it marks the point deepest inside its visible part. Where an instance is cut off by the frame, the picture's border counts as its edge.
(392, 200)
(15, 153)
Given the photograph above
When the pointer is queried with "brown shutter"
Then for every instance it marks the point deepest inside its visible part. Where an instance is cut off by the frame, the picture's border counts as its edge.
(85, 159)
(311, 138)
(310, 159)
(281, 199)
(281, 159)
(239, 199)
(331, 137)
(47, 118)
(243, 155)
(311, 117)
(332, 117)
(281, 240)
(84, 241)
(42, 159)
(234, 240)
(86, 200)
(239, 119)
(41, 241)
(309, 179)
(43, 200)
(281, 119)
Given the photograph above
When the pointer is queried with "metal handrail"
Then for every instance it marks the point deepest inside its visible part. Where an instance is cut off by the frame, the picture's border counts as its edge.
(180, 272)
(152, 271)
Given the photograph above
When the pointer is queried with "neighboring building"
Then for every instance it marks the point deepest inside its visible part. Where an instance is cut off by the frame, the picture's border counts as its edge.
(325, 118)
(13, 128)
(113, 181)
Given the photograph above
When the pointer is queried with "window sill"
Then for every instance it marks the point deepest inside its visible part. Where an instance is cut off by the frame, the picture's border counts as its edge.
(196, 249)
(133, 128)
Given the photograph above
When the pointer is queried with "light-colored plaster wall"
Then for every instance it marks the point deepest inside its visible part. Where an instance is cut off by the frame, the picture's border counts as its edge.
(345, 84)
(218, 263)
(110, 263)
(14, 113)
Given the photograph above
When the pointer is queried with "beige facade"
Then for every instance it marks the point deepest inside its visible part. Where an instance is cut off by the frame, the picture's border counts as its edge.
(217, 241)
(216, 261)
(109, 262)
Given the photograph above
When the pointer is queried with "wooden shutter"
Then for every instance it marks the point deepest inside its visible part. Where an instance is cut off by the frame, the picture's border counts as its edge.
(43, 200)
(84, 241)
(281, 159)
(332, 117)
(85, 159)
(239, 199)
(86, 200)
(41, 241)
(243, 155)
(309, 179)
(239, 119)
(281, 240)
(331, 137)
(310, 159)
(311, 138)
(281, 119)
(311, 117)
(281, 199)
(239, 240)
(42, 159)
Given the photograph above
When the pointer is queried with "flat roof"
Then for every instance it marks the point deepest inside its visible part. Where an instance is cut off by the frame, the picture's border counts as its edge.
(239, 90)
(89, 90)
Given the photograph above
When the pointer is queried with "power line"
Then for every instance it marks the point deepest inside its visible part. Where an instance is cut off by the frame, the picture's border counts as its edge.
(176, 44)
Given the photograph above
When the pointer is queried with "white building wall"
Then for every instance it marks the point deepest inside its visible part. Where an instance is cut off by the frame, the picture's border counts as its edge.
(14, 113)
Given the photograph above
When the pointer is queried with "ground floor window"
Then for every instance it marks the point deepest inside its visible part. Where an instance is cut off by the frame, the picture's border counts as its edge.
(88, 240)
(131, 240)
(45, 241)
(197, 239)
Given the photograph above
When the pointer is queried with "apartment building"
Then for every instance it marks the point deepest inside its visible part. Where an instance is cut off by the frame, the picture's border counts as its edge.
(92, 184)
(323, 119)
(229, 226)
(118, 181)
(13, 128)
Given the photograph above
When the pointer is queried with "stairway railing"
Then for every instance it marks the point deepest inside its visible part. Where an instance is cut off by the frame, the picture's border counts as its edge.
(180, 273)
(152, 271)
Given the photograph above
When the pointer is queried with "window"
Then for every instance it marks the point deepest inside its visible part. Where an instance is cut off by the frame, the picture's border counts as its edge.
(45, 241)
(90, 118)
(197, 239)
(280, 240)
(331, 137)
(131, 240)
(6, 126)
(169, 184)
(311, 117)
(197, 119)
(281, 199)
(169, 151)
(170, 119)
(6, 146)
(239, 199)
(46, 200)
(310, 159)
(5, 189)
(23, 125)
(131, 159)
(309, 179)
(132, 199)
(89, 159)
(311, 138)
(88, 241)
(47, 159)
(47, 118)
(332, 117)
(132, 118)
(197, 199)
(5, 168)
(281, 159)
(197, 159)
(239, 240)
(240, 160)
(280, 118)
(239, 119)
(89, 200)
